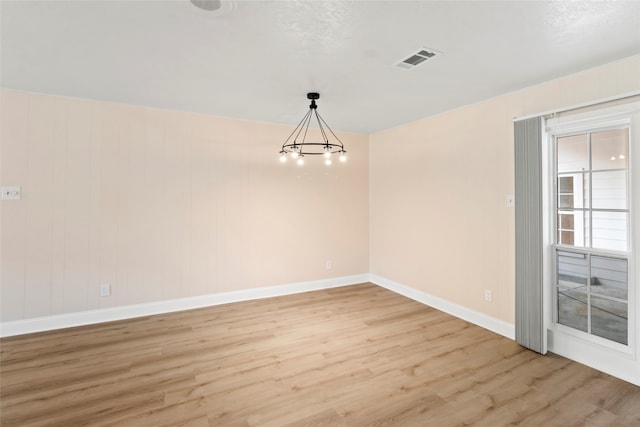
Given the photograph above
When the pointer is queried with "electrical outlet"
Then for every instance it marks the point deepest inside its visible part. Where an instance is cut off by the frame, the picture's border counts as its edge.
(105, 290)
(488, 295)
(327, 264)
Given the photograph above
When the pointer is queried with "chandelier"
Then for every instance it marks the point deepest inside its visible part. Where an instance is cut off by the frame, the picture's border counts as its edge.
(297, 147)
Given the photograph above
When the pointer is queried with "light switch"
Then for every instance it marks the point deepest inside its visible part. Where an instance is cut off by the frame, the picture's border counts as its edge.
(11, 193)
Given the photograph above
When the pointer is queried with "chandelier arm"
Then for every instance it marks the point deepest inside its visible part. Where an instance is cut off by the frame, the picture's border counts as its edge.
(324, 134)
(306, 127)
(298, 128)
(330, 130)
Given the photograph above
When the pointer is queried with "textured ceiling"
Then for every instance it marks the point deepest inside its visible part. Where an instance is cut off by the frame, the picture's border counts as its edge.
(258, 59)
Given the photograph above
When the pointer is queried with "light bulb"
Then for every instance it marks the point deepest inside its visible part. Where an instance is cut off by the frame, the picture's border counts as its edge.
(327, 162)
(300, 161)
(621, 156)
(613, 157)
(294, 154)
(343, 156)
(283, 157)
(327, 153)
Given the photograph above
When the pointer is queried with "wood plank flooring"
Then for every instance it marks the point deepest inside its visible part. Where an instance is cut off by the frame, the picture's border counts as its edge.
(351, 356)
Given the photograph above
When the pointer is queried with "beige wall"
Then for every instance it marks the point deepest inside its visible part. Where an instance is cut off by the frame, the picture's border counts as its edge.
(438, 216)
(164, 205)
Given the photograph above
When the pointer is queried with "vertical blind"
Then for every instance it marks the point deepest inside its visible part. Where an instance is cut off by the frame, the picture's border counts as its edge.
(529, 238)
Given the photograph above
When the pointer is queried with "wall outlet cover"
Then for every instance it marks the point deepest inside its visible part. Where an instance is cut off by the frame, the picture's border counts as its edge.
(105, 290)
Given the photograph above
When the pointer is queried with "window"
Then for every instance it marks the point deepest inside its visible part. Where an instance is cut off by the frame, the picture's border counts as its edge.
(592, 232)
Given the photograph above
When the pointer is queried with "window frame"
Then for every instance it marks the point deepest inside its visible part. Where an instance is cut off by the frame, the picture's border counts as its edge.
(627, 115)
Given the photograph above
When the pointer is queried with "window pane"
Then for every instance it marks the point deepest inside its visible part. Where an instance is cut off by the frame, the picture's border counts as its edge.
(572, 289)
(572, 309)
(566, 237)
(573, 270)
(609, 190)
(610, 149)
(571, 190)
(609, 277)
(565, 184)
(566, 221)
(565, 201)
(609, 230)
(571, 228)
(609, 319)
(573, 153)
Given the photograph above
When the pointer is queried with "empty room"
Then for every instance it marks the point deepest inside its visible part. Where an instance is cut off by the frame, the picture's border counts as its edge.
(319, 213)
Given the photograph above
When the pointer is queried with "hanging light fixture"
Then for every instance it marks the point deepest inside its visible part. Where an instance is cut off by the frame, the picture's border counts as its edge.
(297, 147)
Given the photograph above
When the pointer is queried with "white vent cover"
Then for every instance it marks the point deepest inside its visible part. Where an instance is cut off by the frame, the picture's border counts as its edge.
(416, 58)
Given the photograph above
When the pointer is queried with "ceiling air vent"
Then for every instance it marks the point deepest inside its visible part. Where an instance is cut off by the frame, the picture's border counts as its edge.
(416, 58)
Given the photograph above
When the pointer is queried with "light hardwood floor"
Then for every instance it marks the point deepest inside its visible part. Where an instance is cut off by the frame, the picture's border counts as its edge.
(351, 356)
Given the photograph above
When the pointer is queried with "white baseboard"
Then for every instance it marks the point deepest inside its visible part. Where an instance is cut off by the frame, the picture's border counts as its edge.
(48, 323)
(495, 325)
(61, 321)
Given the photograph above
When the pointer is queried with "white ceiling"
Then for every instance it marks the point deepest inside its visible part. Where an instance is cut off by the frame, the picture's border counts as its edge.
(258, 60)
